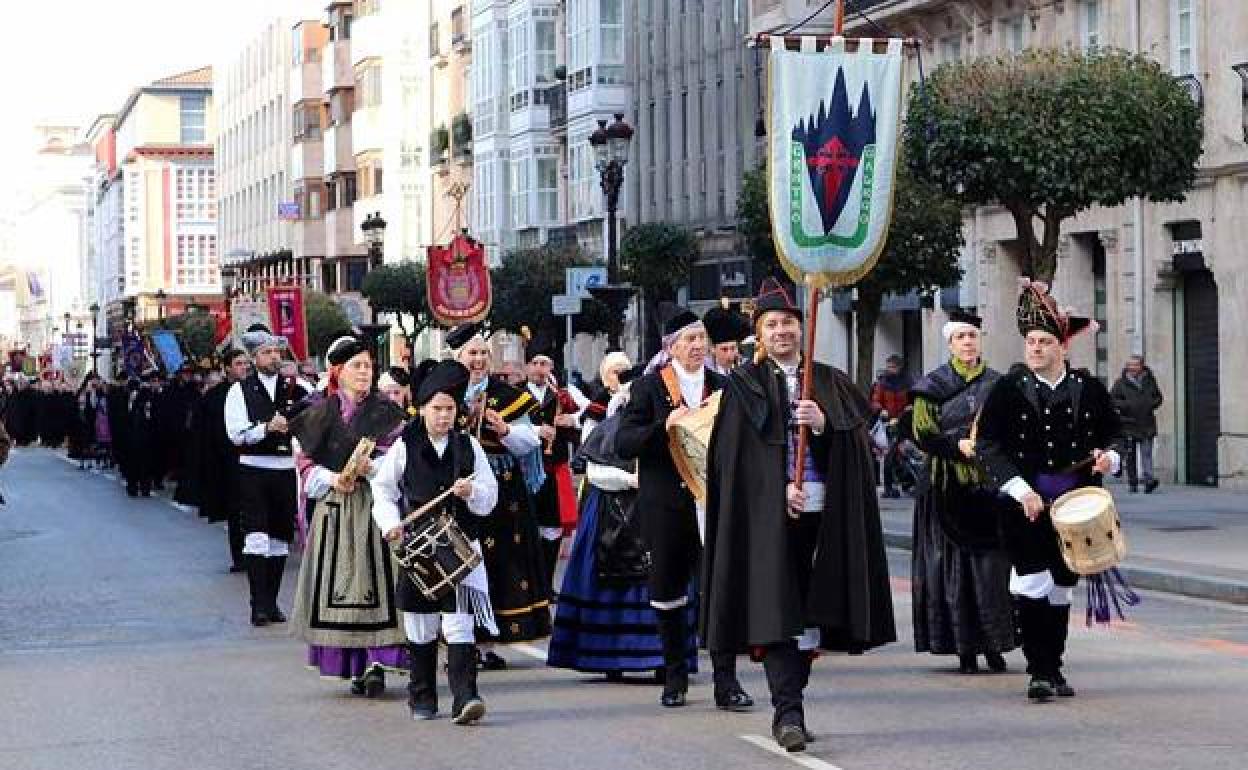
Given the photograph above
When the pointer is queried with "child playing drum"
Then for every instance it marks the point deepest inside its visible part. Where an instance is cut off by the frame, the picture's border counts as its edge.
(430, 458)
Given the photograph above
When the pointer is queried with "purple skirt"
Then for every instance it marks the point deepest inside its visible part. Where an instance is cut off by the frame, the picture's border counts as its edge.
(352, 662)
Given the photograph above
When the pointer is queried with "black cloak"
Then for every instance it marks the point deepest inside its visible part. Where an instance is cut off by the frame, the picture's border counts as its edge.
(767, 577)
(210, 477)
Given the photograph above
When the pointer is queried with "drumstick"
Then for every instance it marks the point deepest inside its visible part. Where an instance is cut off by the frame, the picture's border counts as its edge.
(432, 503)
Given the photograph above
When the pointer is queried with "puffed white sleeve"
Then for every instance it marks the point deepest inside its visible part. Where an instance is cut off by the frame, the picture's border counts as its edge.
(385, 487)
(484, 486)
(238, 426)
(522, 437)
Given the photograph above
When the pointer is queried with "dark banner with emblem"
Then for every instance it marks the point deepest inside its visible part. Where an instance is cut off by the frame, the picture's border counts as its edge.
(459, 282)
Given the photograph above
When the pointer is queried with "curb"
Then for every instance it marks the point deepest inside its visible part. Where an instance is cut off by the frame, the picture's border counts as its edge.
(1167, 581)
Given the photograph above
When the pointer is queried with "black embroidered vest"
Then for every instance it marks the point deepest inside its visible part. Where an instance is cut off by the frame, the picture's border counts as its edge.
(426, 475)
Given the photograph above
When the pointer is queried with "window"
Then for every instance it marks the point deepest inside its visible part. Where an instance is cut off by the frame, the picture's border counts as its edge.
(331, 194)
(519, 193)
(341, 104)
(548, 190)
(1182, 37)
(1014, 33)
(377, 186)
(580, 29)
(340, 24)
(951, 48)
(348, 189)
(518, 76)
(1090, 24)
(457, 25)
(434, 39)
(544, 50)
(611, 29)
(367, 7)
(306, 121)
(191, 117)
(368, 85)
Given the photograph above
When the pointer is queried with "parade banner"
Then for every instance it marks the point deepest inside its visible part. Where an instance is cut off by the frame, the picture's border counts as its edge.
(133, 356)
(245, 313)
(167, 347)
(834, 118)
(459, 282)
(287, 319)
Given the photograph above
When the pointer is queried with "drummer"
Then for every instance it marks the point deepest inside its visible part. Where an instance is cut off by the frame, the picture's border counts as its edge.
(1045, 429)
(675, 383)
(431, 457)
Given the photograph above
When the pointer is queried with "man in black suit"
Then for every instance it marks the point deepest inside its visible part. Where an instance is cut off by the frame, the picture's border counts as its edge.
(675, 383)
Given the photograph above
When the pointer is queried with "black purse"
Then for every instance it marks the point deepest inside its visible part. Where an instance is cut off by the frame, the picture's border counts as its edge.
(619, 556)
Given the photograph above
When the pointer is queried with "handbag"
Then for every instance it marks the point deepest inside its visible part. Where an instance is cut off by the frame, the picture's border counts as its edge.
(619, 555)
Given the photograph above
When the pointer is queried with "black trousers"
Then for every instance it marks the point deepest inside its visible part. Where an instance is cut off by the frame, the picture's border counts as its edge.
(268, 501)
(1044, 628)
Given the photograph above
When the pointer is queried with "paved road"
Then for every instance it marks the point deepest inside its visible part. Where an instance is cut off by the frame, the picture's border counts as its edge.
(123, 644)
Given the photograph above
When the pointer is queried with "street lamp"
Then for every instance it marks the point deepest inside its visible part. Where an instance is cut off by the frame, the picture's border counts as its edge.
(160, 306)
(95, 341)
(374, 227)
(610, 145)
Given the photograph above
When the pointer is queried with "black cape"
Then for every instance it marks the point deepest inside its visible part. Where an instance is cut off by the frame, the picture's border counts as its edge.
(210, 476)
(756, 592)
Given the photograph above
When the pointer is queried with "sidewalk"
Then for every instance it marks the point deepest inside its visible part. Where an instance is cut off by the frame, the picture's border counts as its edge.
(1183, 540)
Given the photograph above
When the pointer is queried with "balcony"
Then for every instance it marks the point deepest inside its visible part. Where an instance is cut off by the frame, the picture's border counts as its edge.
(308, 238)
(338, 155)
(340, 233)
(305, 81)
(336, 70)
(307, 159)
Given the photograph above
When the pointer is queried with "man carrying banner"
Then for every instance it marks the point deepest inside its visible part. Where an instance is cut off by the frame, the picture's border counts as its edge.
(817, 574)
(256, 411)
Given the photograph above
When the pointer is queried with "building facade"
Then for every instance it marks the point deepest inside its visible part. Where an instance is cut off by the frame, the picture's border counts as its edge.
(449, 202)
(251, 88)
(161, 142)
(695, 107)
(1167, 281)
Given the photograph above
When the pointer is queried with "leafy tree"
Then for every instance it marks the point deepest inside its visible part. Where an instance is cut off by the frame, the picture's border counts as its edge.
(400, 289)
(921, 254)
(656, 257)
(197, 332)
(326, 321)
(1049, 133)
(524, 284)
(754, 222)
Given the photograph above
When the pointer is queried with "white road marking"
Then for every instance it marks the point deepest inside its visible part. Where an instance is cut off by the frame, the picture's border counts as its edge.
(805, 760)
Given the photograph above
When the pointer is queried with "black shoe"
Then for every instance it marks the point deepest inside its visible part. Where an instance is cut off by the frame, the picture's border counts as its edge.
(672, 698)
(615, 676)
(490, 661)
(374, 681)
(259, 618)
(236, 568)
(996, 662)
(733, 698)
(357, 686)
(967, 664)
(1062, 687)
(1150, 486)
(791, 738)
(1040, 690)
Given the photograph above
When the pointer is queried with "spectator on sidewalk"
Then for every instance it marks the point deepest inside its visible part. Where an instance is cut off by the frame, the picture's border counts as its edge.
(890, 397)
(1137, 397)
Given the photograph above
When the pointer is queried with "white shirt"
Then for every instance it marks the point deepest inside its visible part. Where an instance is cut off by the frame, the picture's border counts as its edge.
(692, 386)
(243, 432)
(389, 472)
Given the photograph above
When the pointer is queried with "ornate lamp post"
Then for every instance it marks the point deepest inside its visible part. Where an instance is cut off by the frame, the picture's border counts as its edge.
(374, 227)
(95, 341)
(611, 145)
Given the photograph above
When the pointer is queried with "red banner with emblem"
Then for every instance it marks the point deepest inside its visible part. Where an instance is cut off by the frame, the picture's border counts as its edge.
(459, 282)
(287, 318)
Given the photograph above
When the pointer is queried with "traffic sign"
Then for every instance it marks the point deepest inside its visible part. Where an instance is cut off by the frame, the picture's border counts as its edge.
(562, 304)
(581, 279)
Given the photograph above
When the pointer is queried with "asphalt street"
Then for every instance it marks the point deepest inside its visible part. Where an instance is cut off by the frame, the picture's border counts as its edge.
(124, 644)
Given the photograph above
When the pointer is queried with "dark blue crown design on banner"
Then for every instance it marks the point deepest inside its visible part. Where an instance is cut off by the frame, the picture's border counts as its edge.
(834, 141)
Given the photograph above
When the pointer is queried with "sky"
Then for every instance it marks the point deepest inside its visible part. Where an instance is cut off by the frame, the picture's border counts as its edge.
(70, 60)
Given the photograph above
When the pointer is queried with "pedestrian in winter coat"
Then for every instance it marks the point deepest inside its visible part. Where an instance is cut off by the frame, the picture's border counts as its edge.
(1137, 397)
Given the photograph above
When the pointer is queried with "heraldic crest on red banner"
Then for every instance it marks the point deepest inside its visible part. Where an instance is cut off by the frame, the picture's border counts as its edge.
(459, 282)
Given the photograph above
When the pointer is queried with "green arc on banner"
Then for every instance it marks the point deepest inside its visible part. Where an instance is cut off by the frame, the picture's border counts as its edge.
(851, 241)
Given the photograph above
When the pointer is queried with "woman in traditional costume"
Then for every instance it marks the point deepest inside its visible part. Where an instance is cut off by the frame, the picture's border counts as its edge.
(960, 572)
(344, 602)
(497, 414)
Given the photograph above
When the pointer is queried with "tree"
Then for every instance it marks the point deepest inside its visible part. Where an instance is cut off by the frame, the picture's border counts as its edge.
(921, 254)
(325, 321)
(524, 284)
(197, 332)
(400, 289)
(1049, 133)
(656, 257)
(754, 222)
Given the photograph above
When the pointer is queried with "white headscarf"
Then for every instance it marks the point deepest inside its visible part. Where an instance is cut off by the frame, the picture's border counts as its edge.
(664, 356)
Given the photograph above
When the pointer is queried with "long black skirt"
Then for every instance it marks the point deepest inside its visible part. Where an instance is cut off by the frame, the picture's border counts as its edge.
(961, 595)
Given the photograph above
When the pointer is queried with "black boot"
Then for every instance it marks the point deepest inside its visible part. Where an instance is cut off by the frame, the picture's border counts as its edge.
(787, 669)
(234, 536)
(967, 664)
(1060, 629)
(729, 694)
(422, 686)
(996, 662)
(1034, 622)
(674, 635)
(277, 567)
(258, 585)
(461, 671)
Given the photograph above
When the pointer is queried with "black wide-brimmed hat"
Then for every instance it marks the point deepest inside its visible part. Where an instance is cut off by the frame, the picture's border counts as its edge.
(774, 296)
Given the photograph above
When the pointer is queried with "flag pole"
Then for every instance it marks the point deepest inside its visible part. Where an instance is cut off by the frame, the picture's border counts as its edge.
(812, 322)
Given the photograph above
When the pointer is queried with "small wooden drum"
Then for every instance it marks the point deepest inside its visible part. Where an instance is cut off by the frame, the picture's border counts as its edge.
(689, 440)
(435, 554)
(1089, 531)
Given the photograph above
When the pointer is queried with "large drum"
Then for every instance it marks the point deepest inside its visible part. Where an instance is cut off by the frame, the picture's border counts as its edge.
(435, 554)
(689, 440)
(1089, 531)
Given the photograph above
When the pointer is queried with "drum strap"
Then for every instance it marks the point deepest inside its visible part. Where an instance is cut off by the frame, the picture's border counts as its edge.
(673, 386)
